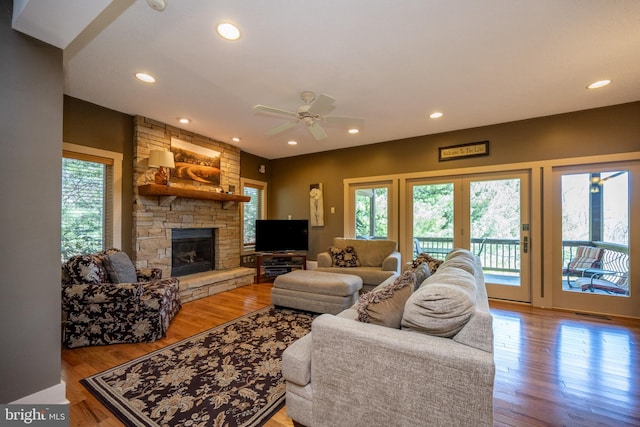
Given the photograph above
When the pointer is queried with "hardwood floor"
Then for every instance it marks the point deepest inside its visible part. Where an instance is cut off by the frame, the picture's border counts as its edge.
(553, 368)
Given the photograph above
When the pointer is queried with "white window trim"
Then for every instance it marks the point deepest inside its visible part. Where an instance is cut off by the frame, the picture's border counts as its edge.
(117, 184)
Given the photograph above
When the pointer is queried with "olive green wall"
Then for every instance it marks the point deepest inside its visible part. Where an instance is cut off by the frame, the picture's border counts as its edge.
(599, 131)
(249, 165)
(94, 126)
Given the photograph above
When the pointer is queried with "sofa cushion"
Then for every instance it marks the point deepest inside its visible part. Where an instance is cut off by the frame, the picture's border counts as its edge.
(442, 305)
(120, 268)
(344, 257)
(384, 306)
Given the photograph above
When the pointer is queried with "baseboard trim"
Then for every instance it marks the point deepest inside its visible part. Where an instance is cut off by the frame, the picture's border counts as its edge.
(54, 395)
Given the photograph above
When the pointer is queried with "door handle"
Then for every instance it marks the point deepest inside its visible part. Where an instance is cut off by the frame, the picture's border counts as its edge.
(525, 244)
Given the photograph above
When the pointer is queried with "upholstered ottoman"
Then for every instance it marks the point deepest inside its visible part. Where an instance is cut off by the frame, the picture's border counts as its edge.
(316, 291)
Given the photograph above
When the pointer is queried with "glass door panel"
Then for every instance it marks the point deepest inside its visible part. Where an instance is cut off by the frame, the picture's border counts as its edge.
(498, 227)
(595, 211)
(595, 232)
(433, 219)
(372, 213)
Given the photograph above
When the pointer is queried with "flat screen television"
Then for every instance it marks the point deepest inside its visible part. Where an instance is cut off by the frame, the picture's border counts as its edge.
(282, 235)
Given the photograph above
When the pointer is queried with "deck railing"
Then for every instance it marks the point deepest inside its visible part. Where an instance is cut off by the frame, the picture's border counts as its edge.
(503, 255)
(499, 255)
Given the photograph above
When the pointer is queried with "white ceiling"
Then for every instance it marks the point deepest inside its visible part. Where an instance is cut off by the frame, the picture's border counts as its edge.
(389, 63)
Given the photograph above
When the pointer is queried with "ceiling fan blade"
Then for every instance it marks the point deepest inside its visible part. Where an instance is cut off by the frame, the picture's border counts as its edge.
(344, 122)
(272, 110)
(317, 132)
(323, 105)
(281, 128)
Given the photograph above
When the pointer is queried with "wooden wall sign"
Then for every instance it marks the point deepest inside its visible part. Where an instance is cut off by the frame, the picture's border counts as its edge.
(463, 150)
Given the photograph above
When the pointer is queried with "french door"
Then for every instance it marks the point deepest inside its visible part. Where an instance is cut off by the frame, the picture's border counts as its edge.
(594, 214)
(487, 214)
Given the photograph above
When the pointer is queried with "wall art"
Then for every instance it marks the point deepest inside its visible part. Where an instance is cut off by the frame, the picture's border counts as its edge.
(195, 162)
(316, 205)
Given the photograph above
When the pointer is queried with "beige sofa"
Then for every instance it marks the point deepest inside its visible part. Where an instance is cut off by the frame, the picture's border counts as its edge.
(349, 373)
(378, 259)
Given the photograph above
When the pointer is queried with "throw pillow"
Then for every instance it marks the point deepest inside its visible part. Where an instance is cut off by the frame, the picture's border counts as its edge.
(432, 262)
(120, 268)
(422, 273)
(385, 306)
(344, 257)
(85, 269)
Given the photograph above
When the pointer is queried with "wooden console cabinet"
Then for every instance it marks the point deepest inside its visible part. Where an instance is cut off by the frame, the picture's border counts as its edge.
(270, 265)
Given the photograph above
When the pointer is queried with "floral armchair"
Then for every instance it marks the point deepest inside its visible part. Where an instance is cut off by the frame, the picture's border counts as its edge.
(105, 300)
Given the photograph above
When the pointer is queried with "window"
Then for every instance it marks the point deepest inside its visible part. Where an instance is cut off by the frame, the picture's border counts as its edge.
(255, 209)
(372, 213)
(371, 209)
(90, 205)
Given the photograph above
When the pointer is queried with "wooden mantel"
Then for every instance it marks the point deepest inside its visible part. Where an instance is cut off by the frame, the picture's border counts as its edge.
(170, 193)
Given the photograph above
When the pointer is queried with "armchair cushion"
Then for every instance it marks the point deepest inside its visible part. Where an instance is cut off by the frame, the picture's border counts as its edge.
(120, 268)
(105, 293)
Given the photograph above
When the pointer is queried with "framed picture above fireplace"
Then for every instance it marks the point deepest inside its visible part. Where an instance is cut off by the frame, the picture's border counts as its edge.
(195, 162)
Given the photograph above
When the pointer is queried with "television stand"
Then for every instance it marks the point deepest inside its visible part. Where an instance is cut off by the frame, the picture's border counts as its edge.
(273, 264)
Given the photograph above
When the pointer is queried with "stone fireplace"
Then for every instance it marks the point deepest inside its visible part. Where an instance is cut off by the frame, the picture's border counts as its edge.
(156, 219)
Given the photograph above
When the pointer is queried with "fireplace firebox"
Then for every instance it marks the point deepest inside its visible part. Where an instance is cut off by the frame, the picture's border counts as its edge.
(192, 250)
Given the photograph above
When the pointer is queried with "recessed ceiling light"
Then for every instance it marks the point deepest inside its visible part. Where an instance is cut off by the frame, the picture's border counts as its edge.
(436, 115)
(183, 120)
(353, 131)
(228, 31)
(235, 139)
(599, 83)
(292, 142)
(144, 77)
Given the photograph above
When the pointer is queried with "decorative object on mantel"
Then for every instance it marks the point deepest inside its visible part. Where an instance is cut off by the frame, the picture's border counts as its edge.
(169, 194)
(473, 149)
(161, 159)
(316, 205)
(195, 162)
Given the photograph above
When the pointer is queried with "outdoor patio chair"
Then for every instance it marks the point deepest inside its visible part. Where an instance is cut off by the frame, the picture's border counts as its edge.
(586, 257)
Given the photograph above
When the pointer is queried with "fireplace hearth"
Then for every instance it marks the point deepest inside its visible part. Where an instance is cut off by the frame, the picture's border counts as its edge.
(192, 250)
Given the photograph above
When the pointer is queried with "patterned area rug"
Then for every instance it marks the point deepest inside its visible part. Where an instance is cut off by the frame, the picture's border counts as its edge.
(229, 375)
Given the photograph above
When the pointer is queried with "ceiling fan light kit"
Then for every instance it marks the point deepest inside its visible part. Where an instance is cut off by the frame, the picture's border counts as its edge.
(314, 111)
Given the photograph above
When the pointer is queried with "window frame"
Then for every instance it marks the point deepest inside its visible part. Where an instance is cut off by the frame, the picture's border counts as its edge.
(114, 204)
(262, 186)
(350, 188)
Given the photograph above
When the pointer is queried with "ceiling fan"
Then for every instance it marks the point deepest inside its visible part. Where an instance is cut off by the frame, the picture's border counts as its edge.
(311, 114)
